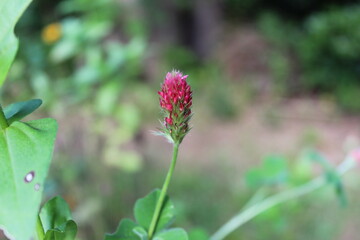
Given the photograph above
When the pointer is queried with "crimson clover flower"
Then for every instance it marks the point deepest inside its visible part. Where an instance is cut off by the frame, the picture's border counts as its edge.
(175, 101)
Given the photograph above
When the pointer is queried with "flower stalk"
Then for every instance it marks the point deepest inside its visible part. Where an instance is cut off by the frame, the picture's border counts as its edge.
(164, 189)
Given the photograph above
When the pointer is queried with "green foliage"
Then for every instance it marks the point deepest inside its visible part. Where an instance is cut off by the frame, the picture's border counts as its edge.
(144, 210)
(198, 234)
(10, 13)
(331, 175)
(145, 207)
(347, 95)
(67, 233)
(25, 152)
(330, 51)
(25, 147)
(273, 171)
(280, 34)
(93, 67)
(56, 220)
(324, 50)
(17, 111)
(128, 230)
(172, 234)
(83, 54)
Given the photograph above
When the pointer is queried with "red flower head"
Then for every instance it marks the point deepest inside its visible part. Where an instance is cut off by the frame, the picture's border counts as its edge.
(176, 101)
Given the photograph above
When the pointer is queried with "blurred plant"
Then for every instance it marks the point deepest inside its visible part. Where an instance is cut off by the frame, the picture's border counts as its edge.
(260, 203)
(328, 66)
(330, 54)
(79, 59)
(280, 35)
(292, 10)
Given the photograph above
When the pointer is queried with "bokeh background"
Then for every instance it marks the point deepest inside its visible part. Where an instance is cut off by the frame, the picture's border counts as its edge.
(271, 79)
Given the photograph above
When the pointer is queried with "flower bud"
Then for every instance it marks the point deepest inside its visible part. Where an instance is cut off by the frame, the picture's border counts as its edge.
(176, 101)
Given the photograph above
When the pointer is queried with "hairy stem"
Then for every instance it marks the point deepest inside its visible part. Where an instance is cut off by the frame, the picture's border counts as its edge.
(256, 209)
(160, 202)
(3, 122)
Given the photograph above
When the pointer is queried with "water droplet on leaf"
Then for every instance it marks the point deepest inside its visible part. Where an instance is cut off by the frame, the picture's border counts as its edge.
(37, 187)
(29, 177)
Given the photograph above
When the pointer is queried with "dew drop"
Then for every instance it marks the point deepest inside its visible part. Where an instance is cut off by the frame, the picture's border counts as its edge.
(29, 177)
(37, 187)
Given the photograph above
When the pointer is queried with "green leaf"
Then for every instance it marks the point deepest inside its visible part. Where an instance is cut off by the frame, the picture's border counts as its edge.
(172, 234)
(25, 154)
(141, 233)
(127, 230)
(198, 234)
(331, 175)
(11, 11)
(254, 178)
(17, 111)
(106, 99)
(145, 207)
(55, 214)
(69, 232)
(56, 220)
(272, 172)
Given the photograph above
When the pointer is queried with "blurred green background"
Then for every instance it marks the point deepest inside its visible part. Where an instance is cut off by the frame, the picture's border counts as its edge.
(270, 80)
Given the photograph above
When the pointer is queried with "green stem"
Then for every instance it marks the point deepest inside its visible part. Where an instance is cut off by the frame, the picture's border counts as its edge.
(256, 209)
(3, 122)
(160, 202)
(40, 234)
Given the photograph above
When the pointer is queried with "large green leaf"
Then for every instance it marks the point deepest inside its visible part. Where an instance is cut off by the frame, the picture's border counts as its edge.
(17, 111)
(11, 11)
(145, 207)
(172, 234)
(25, 154)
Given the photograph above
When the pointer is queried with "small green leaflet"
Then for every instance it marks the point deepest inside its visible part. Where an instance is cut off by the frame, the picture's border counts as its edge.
(144, 211)
(198, 234)
(25, 155)
(17, 111)
(128, 230)
(10, 10)
(145, 208)
(273, 171)
(56, 220)
(331, 176)
(172, 234)
(68, 233)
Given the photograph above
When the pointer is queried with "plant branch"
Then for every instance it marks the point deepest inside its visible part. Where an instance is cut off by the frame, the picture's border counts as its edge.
(256, 209)
(161, 199)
